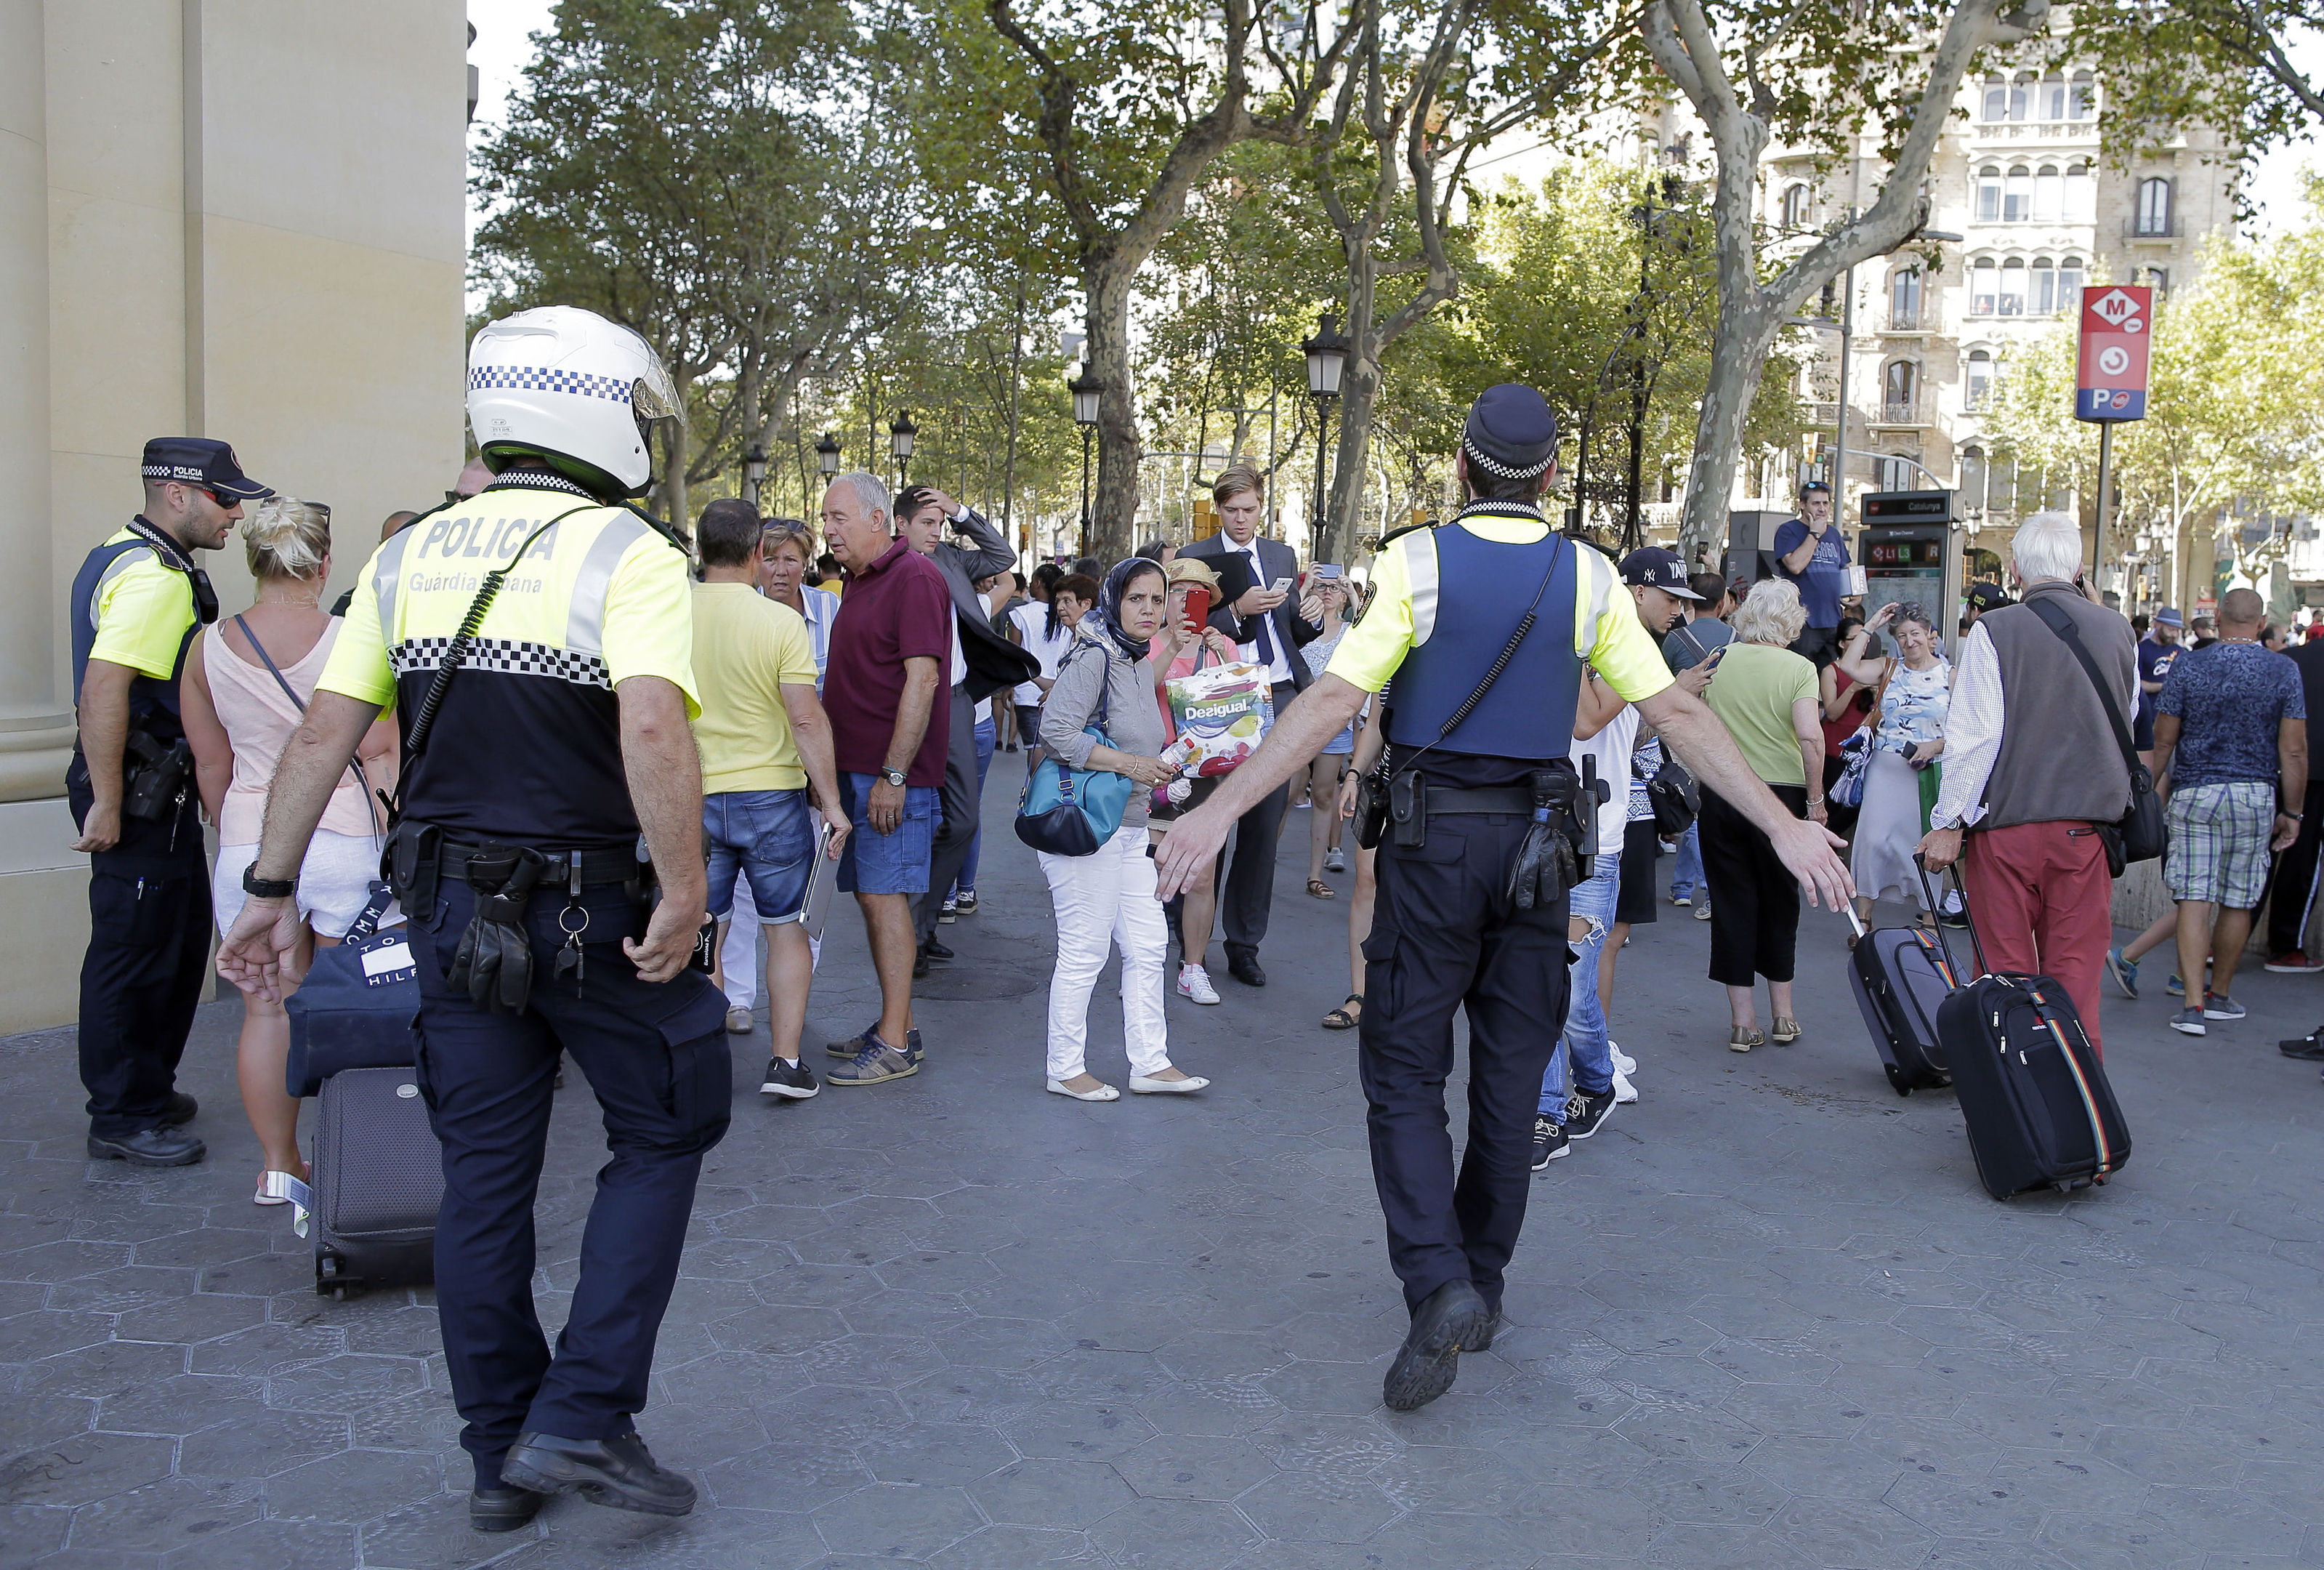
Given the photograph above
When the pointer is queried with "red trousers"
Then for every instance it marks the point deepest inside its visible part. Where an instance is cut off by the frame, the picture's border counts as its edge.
(2040, 896)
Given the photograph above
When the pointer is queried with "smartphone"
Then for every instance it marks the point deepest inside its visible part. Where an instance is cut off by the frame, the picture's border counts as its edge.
(1198, 603)
(1281, 585)
(1328, 569)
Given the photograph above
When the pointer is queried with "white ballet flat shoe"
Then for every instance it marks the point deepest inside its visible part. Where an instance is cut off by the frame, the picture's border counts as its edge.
(1102, 1092)
(1141, 1085)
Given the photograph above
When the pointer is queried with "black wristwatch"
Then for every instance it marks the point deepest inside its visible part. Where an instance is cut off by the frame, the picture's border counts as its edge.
(893, 776)
(267, 888)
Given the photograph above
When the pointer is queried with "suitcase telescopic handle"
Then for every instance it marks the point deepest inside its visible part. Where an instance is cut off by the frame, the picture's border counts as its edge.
(1936, 912)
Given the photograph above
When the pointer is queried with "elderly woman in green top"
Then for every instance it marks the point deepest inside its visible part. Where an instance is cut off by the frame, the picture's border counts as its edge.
(1766, 695)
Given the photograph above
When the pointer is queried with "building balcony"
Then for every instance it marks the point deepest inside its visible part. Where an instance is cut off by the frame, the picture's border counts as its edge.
(1907, 414)
(2137, 229)
(1912, 319)
(2085, 129)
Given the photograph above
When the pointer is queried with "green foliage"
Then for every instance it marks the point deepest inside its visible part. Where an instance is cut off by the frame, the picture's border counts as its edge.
(2230, 65)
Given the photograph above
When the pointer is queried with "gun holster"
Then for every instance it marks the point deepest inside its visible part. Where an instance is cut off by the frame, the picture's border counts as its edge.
(1547, 865)
(1371, 809)
(494, 961)
(155, 777)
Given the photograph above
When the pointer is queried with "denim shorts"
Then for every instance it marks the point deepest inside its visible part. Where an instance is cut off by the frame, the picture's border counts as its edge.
(769, 836)
(887, 863)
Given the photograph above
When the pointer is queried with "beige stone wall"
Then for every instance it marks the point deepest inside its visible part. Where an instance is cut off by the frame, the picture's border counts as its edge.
(235, 218)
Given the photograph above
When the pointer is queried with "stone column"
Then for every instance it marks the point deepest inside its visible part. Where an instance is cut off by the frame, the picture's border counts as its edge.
(35, 709)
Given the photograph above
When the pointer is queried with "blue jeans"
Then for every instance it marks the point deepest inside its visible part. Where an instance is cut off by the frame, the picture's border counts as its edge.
(965, 883)
(887, 863)
(767, 836)
(1583, 1041)
(1687, 876)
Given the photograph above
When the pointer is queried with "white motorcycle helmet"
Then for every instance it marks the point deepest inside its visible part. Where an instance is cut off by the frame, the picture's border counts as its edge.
(567, 386)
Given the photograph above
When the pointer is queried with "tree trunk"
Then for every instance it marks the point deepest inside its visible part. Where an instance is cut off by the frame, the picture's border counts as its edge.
(1113, 501)
(673, 484)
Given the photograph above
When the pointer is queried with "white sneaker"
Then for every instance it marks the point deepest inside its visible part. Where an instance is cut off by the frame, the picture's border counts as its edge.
(1335, 860)
(1702, 911)
(1195, 984)
(1623, 1062)
(1625, 1091)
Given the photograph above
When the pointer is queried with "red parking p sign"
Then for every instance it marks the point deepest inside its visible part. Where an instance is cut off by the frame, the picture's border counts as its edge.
(2117, 327)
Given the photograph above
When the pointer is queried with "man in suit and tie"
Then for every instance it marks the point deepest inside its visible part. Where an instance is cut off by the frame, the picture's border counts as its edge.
(983, 662)
(1265, 623)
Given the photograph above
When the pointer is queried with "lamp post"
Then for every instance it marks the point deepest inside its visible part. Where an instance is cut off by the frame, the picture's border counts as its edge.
(754, 472)
(900, 434)
(1327, 358)
(826, 457)
(1088, 393)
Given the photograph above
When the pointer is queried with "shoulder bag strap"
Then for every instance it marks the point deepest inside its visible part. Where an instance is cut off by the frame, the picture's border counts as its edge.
(2055, 618)
(362, 781)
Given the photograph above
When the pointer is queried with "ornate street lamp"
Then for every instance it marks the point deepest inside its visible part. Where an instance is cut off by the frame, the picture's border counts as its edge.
(1088, 393)
(826, 456)
(754, 472)
(901, 432)
(1327, 358)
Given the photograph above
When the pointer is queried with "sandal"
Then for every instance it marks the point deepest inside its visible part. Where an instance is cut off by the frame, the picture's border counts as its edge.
(1342, 1018)
(1319, 890)
(1743, 1037)
(1787, 1031)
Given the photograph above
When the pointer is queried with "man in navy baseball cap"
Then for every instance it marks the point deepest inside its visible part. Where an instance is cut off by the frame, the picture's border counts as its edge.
(206, 465)
(1658, 580)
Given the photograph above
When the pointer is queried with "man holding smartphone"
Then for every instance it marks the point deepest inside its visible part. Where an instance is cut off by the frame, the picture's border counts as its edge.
(1255, 609)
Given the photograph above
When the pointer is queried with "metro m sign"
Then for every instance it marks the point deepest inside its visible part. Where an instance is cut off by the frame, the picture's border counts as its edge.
(2117, 325)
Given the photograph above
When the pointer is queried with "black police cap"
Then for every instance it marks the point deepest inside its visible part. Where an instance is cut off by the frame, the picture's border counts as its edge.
(1510, 434)
(195, 460)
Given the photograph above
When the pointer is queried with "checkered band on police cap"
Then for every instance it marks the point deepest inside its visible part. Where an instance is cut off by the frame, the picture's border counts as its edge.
(1510, 433)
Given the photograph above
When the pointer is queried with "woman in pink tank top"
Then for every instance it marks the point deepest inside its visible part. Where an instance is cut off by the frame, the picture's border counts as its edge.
(248, 679)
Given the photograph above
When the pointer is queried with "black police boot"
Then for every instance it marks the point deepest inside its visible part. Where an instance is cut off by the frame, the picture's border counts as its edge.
(161, 1147)
(619, 1472)
(1449, 1320)
(502, 1508)
(183, 1108)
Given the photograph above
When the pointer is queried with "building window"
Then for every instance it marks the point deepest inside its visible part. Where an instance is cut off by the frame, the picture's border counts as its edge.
(2082, 103)
(1898, 384)
(2154, 207)
(1897, 473)
(1980, 381)
(1972, 478)
(2053, 98)
(2001, 486)
(1795, 213)
(2070, 284)
(1983, 277)
(2082, 195)
(2049, 195)
(1905, 301)
(1988, 194)
(2159, 279)
(2013, 286)
(1996, 99)
(2017, 195)
(2021, 94)
(2044, 300)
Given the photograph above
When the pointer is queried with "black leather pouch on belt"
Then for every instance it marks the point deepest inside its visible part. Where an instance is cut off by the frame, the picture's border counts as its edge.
(494, 959)
(1371, 811)
(414, 858)
(1407, 809)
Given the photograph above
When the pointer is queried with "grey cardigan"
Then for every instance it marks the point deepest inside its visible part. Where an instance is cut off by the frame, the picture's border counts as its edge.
(1133, 714)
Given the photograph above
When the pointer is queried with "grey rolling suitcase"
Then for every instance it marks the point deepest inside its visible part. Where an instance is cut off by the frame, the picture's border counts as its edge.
(378, 1180)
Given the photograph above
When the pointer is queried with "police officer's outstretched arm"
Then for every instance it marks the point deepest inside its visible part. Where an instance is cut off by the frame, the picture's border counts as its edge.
(1691, 730)
(312, 762)
(665, 776)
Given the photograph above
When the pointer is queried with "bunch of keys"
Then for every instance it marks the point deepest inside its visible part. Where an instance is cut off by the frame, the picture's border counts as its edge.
(570, 960)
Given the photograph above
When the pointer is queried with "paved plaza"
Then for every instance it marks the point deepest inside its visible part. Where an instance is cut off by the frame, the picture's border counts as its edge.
(1765, 1318)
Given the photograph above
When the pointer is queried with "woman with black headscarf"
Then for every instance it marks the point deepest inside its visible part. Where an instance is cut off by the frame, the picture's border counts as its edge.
(1107, 900)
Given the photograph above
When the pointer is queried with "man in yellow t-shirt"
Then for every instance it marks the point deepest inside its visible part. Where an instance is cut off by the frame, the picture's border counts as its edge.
(764, 742)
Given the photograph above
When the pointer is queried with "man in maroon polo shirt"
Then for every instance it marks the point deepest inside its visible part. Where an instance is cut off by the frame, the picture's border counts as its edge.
(890, 646)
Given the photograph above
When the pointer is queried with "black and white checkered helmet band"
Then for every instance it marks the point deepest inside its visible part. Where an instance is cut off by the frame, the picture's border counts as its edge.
(548, 379)
(1500, 470)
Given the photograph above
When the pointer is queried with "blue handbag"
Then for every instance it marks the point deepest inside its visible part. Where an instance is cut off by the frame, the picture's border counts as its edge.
(1071, 812)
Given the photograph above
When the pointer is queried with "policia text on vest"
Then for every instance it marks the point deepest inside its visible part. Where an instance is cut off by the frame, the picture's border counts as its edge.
(1479, 722)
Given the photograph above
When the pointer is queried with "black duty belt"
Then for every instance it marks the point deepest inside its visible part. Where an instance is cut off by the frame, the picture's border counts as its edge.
(598, 867)
(1500, 798)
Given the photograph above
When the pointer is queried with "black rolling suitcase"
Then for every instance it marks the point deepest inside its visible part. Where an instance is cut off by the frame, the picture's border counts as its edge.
(2040, 1111)
(378, 1173)
(1900, 974)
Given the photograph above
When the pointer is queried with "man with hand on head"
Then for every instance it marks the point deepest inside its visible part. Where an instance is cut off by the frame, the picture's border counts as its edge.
(1484, 624)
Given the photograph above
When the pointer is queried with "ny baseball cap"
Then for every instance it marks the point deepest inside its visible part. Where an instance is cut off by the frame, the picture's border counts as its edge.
(1985, 595)
(1652, 566)
(195, 460)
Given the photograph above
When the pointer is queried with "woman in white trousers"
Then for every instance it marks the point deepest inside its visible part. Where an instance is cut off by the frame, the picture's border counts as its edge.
(1106, 900)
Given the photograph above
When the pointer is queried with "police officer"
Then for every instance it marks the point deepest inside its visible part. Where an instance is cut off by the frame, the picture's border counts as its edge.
(137, 602)
(1484, 622)
(532, 767)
